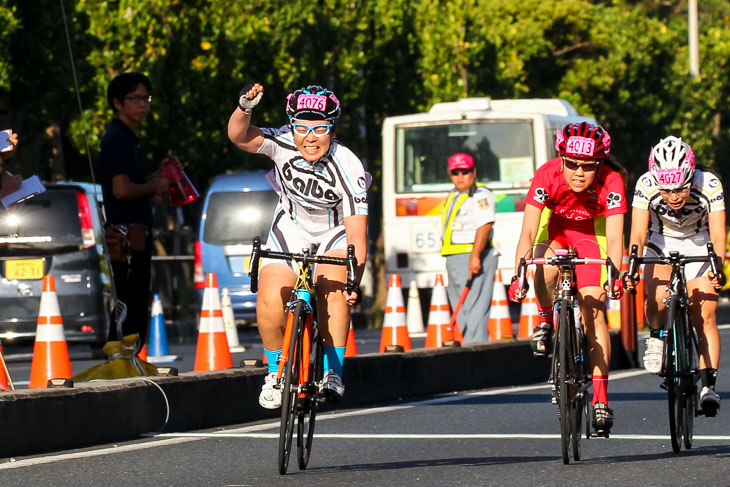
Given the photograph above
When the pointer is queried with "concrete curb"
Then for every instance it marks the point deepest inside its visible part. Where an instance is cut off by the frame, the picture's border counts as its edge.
(39, 420)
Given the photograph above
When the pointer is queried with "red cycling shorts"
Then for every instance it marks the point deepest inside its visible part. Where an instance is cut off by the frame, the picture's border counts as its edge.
(588, 238)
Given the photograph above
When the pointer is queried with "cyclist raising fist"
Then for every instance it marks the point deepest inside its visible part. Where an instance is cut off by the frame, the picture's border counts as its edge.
(682, 207)
(323, 204)
(576, 200)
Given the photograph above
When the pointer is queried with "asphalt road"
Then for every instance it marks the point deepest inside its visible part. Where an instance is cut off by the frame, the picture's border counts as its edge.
(500, 437)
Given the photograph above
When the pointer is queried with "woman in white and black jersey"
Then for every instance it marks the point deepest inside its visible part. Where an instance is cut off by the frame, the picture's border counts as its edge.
(679, 206)
(323, 203)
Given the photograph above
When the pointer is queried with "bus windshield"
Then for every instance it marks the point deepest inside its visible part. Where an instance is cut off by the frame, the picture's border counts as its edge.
(503, 154)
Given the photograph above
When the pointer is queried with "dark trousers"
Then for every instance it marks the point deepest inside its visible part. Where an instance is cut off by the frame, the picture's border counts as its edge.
(132, 283)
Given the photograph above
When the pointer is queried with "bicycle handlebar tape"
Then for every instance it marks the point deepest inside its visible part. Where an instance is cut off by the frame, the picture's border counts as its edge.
(351, 345)
(439, 330)
(395, 332)
(50, 351)
(529, 315)
(414, 316)
(500, 322)
(158, 350)
(212, 352)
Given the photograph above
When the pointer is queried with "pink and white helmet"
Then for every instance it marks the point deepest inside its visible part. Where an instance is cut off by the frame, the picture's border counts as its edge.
(672, 163)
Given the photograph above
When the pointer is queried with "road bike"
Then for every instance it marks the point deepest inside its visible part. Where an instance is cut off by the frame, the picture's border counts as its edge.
(680, 369)
(569, 372)
(300, 369)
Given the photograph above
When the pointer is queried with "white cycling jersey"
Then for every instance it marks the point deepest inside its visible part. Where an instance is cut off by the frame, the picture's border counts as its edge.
(317, 196)
(705, 195)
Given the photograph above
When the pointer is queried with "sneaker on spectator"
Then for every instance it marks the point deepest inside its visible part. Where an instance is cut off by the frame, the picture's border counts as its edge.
(602, 418)
(331, 385)
(653, 355)
(709, 401)
(542, 340)
(270, 397)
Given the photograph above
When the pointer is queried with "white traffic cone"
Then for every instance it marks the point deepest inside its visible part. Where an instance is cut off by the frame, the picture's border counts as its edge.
(229, 322)
(414, 315)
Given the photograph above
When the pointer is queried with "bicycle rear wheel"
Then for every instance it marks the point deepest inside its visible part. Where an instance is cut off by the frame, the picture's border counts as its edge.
(565, 399)
(291, 385)
(305, 432)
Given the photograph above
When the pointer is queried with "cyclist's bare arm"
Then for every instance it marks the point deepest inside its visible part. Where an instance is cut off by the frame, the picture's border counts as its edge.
(245, 136)
(717, 232)
(717, 235)
(639, 230)
(356, 229)
(530, 224)
(615, 243)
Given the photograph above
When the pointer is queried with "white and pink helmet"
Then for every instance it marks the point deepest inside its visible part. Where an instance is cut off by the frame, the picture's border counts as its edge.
(672, 163)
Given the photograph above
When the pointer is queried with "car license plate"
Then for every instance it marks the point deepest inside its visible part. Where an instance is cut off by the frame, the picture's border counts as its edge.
(24, 269)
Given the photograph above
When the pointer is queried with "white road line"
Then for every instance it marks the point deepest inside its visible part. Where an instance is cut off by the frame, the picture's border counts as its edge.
(425, 436)
(249, 431)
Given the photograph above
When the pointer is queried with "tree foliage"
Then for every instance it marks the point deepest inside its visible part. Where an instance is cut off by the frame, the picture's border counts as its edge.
(622, 61)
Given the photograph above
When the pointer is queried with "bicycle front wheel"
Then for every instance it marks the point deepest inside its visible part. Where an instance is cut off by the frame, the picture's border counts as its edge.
(579, 403)
(305, 431)
(565, 399)
(291, 385)
(689, 385)
(672, 378)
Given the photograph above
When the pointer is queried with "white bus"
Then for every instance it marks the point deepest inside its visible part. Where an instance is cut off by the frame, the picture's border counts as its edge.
(509, 139)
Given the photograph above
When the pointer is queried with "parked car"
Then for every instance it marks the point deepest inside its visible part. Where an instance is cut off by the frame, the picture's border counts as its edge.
(237, 207)
(54, 233)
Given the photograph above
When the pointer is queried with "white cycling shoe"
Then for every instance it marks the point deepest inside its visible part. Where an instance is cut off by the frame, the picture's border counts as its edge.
(270, 397)
(331, 385)
(653, 355)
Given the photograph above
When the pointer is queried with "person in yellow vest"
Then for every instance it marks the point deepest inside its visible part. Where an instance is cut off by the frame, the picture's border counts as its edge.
(467, 221)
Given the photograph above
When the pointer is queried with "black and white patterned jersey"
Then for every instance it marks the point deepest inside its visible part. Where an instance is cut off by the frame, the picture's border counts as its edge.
(705, 195)
(316, 195)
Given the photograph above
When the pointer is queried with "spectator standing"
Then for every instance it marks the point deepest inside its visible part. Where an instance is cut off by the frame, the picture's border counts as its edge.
(127, 192)
(467, 221)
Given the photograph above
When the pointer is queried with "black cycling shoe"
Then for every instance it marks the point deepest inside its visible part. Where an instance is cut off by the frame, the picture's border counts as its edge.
(542, 340)
(602, 419)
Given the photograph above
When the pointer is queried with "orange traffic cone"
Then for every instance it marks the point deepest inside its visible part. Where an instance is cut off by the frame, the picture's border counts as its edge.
(500, 323)
(529, 316)
(212, 352)
(395, 331)
(438, 330)
(351, 346)
(142, 354)
(3, 373)
(639, 301)
(50, 352)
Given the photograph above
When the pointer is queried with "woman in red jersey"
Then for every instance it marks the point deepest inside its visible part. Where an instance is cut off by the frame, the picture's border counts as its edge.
(577, 200)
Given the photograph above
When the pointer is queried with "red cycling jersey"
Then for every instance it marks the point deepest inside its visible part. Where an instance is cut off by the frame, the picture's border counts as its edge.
(605, 197)
(577, 218)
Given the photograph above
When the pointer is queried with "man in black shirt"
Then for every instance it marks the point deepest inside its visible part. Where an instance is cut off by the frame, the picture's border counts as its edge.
(127, 192)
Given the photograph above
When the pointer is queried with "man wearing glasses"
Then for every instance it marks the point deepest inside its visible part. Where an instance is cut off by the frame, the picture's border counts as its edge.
(471, 260)
(127, 189)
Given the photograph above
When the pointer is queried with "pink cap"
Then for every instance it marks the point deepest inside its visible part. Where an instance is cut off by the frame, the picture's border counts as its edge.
(461, 161)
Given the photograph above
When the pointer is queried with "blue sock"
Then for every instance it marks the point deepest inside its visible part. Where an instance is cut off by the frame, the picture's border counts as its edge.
(272, 357)
(333, 358)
